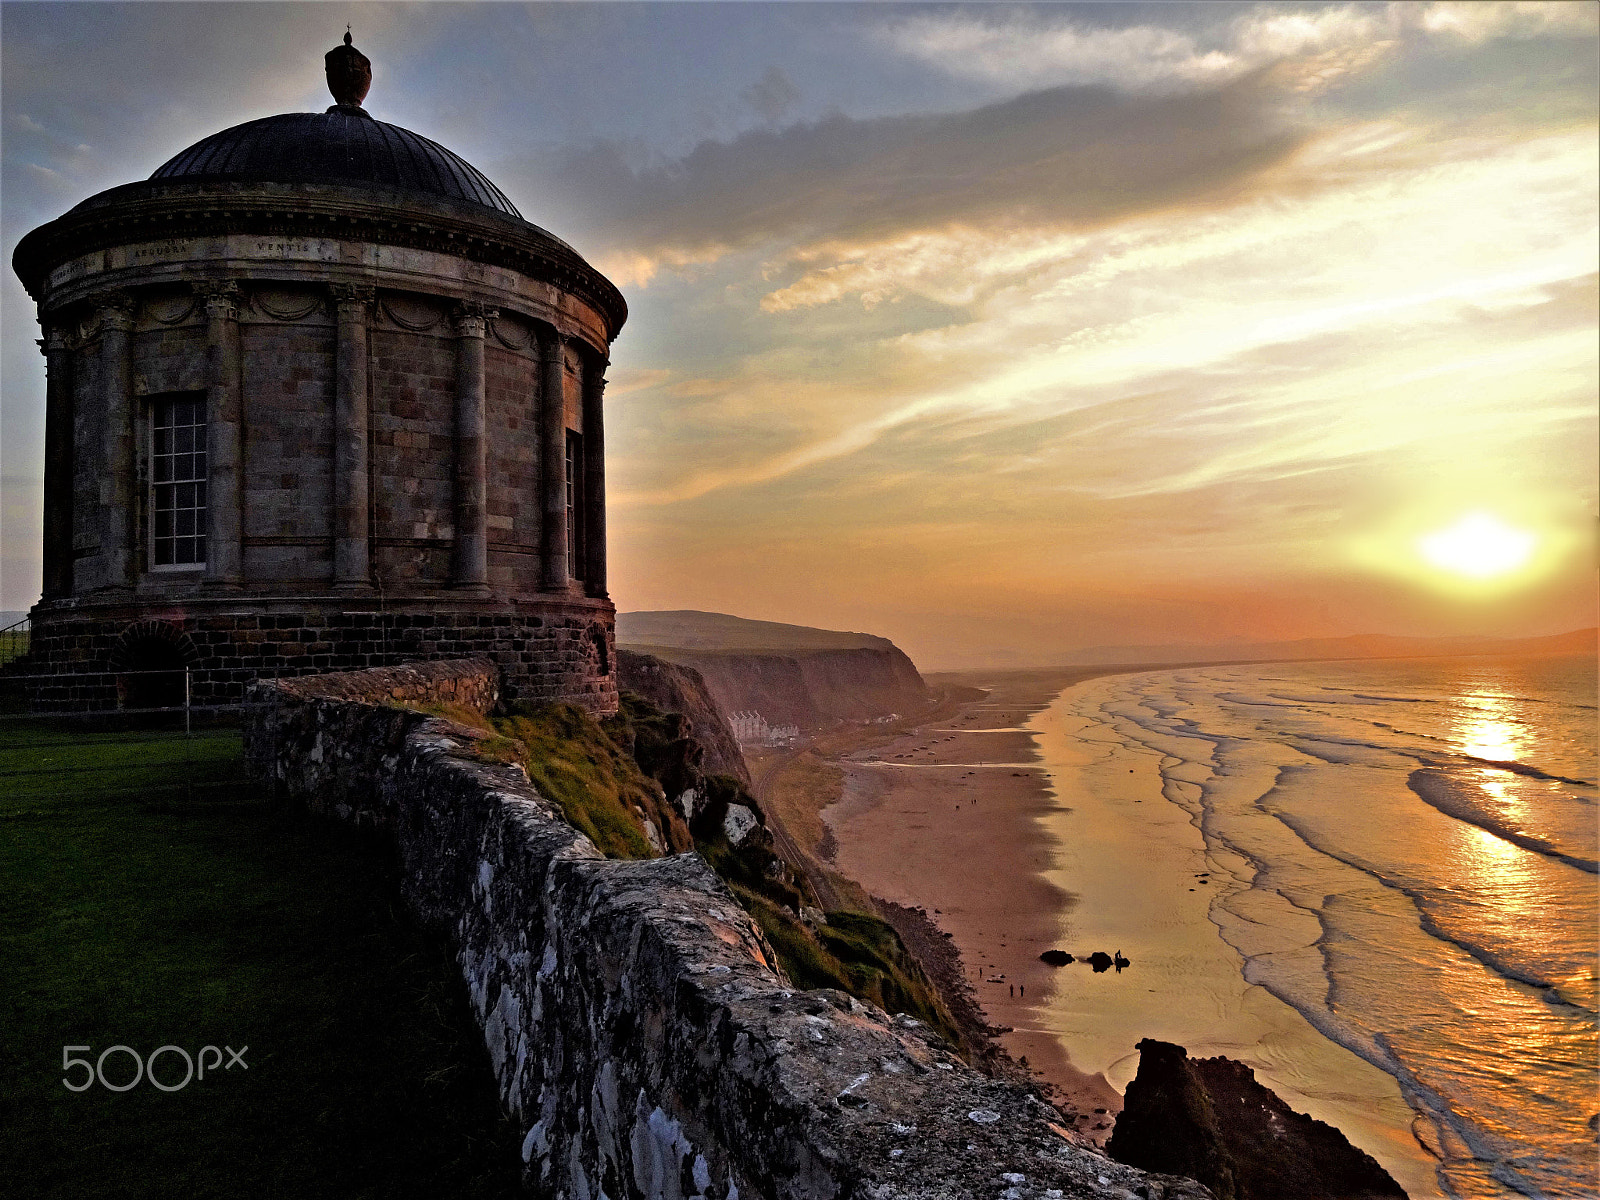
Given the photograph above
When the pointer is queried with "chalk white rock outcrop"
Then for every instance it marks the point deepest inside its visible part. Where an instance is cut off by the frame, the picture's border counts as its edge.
(689, 802)
(739, 825)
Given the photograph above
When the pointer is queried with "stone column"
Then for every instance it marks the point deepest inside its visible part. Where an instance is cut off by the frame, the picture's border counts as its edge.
(224, 439)
(553, 459)
(58, 463)
(118, 509)
(594, 477)
(352, 569)
(470, 564)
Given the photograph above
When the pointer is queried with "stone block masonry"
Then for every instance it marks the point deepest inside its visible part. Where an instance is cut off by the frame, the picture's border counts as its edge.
(561, 652)
(644, 1040)
(374, 425)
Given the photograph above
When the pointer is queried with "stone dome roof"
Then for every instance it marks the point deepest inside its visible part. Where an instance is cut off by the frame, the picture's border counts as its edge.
(343, 146)
(338, 174)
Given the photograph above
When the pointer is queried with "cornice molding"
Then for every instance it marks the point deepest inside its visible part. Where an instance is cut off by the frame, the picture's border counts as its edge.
(157, 210)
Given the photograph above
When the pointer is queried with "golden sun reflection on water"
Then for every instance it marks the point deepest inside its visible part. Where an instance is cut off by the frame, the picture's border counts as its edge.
(1489, 732)
(1488, 863)
(1499, 875)
(1488, 858)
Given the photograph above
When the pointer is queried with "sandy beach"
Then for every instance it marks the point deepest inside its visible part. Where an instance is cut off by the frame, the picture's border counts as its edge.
(944, 816)
(957, 816)
(1146, 881)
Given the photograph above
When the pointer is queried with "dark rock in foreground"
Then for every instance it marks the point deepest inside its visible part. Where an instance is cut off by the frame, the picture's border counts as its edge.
(1209, 1119)
(1055, 958)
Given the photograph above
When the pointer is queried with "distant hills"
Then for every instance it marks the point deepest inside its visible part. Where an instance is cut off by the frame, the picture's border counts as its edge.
(687, 629)
(1366, 645)
(704, 634)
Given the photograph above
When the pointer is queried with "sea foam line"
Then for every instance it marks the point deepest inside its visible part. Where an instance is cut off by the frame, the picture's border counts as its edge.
(1436, 789)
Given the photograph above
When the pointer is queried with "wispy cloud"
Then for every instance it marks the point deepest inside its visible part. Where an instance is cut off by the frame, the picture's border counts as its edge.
(1048, 47)
(1059, 323)
(1079, 155)
(1288, 339)
(773, 95)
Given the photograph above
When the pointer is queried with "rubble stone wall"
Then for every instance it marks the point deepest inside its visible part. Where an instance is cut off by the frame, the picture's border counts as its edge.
(644, 1039)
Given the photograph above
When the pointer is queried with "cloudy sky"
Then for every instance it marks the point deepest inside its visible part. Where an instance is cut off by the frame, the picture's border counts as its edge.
(997, 329)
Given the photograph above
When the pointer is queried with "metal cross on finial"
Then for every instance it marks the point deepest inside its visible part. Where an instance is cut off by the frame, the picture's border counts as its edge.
(347, 38)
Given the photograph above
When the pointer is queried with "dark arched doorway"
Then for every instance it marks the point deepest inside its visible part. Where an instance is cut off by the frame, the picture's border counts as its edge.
(151, 674)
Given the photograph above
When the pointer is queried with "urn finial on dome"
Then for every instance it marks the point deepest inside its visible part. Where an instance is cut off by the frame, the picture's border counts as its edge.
(349, 76)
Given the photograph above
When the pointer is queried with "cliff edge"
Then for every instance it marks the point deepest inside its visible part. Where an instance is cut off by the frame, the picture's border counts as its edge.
(645, 1040)
(790, 674)
(681, 689)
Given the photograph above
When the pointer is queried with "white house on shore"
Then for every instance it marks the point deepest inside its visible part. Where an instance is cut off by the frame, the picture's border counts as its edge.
(752, 728)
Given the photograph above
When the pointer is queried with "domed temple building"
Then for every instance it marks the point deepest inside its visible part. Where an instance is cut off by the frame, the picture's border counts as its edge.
(319, 398)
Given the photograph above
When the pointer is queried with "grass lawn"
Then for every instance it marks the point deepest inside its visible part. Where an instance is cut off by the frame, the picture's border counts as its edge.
(140, 914)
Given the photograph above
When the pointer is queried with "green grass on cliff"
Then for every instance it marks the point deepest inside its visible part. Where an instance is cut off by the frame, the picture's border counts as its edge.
(857, 953)
(606, 779)
(599, 787)
(136, 913)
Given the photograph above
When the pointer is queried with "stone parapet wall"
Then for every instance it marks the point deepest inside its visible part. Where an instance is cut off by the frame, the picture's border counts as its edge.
(644, 1041)
(473, 682)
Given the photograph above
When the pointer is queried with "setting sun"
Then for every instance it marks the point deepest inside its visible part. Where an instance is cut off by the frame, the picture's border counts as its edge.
(1479, 546)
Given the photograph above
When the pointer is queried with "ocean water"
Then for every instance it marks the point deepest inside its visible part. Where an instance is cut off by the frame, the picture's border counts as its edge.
(1375, 882)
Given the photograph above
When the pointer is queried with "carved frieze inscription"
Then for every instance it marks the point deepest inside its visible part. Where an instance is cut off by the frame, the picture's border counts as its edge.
(77, 268)
(139, 254)
(536, 299)
(158, 251)
(281, 247)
